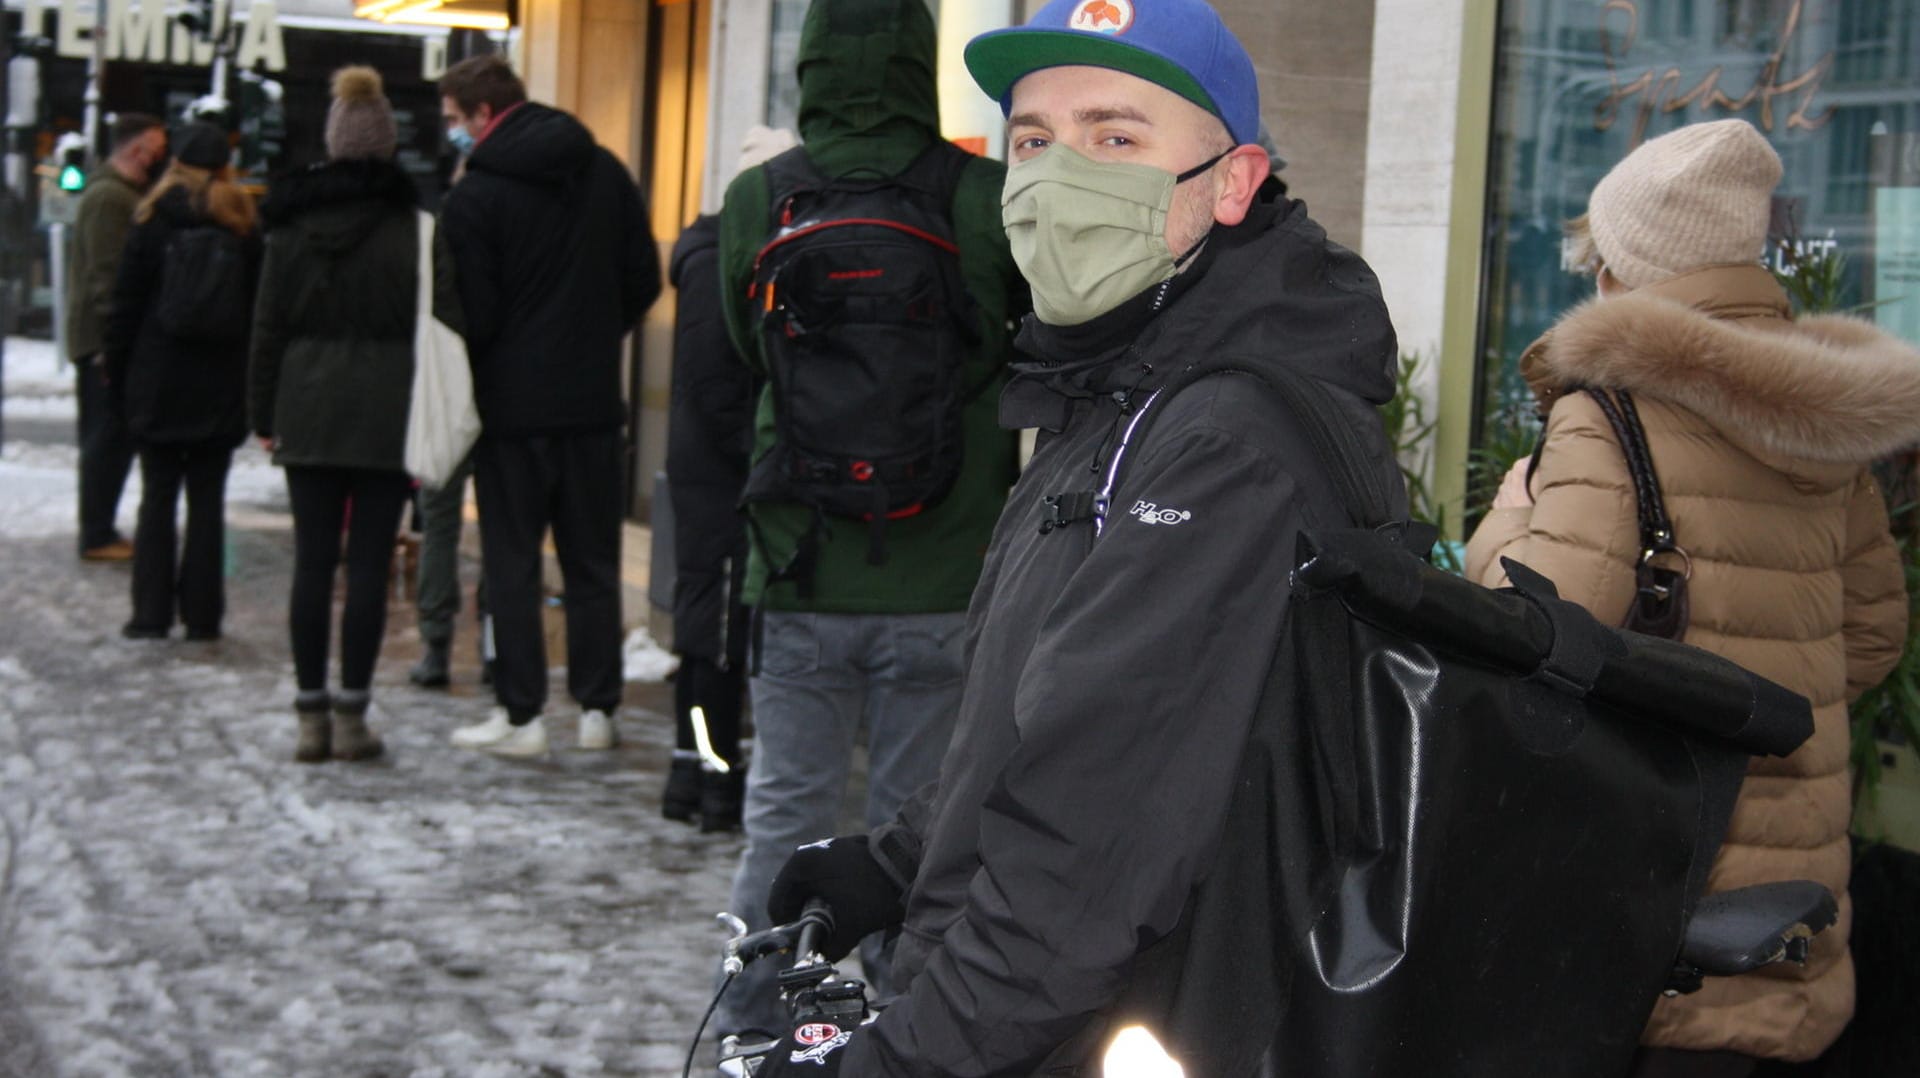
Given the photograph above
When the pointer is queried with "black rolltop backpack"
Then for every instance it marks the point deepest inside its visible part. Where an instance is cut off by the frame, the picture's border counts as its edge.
(1470, 830)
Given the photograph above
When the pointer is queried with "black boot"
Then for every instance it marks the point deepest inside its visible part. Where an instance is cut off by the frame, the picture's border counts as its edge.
(721, 793)
(682, 798)
(431, 671)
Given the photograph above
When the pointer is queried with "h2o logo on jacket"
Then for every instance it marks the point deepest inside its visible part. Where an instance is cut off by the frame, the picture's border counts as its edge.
(1149, 513)
(1102, 16)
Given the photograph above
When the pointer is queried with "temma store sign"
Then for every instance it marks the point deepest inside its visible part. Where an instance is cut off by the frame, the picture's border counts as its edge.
(144, 31)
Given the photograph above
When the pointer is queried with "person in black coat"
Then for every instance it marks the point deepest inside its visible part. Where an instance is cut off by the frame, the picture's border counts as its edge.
(709, 436)
(556, 264)
(332, 377)
(709, 441)
(176, 363)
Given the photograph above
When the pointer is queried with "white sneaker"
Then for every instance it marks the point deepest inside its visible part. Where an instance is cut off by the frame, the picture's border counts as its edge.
(486, 733)
(597, 731)
(528, 740)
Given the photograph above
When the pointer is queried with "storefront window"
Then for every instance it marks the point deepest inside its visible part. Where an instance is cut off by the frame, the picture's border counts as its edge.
(1833, 84)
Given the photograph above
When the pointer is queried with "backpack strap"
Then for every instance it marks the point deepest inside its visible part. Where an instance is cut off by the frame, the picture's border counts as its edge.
(788, 173)
(936, 172)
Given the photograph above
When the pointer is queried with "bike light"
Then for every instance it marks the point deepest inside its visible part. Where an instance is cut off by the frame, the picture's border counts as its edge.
(1136, 1053)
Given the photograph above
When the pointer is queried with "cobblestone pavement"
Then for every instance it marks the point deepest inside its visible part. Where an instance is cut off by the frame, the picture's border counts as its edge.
(178, 898)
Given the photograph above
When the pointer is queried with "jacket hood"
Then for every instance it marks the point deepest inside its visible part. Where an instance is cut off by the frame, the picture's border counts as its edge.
(338, 204)
(1270, 290)
(1720, 342)
(702, 235)
(867, 71)
(535, 143)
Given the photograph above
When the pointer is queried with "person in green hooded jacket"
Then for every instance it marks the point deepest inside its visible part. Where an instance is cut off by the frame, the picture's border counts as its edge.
(873, 645)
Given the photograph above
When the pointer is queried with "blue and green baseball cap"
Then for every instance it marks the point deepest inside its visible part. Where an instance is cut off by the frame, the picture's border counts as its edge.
(1179, 44)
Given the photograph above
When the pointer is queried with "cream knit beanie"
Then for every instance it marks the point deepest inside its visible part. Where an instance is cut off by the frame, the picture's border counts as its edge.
(1695, 197)
(762, 144)
(360, 120)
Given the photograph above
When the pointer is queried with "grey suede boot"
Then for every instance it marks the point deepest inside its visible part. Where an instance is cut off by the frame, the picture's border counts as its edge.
(351, 738)
(316, 735)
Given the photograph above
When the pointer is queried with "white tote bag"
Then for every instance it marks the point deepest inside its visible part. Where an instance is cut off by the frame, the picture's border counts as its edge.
(442, 422)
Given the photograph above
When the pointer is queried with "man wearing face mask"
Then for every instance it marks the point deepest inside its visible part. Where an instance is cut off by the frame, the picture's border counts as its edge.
(556, 263)
(101, 223)
(1046, 887)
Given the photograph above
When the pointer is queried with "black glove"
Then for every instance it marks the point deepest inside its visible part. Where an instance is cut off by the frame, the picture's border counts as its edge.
(812, 1049)
(842, 871)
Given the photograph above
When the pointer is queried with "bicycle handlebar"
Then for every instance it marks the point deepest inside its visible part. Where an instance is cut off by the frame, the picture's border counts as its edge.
(801, 936)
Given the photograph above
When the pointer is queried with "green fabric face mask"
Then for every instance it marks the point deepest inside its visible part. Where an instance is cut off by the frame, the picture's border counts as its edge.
(1089, 235)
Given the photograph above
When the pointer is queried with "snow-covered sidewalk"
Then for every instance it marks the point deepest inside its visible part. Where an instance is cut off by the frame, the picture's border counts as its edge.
(178, 897)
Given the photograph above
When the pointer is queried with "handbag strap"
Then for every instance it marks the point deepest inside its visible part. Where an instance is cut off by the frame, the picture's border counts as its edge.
(423, 290)
(1656, 528)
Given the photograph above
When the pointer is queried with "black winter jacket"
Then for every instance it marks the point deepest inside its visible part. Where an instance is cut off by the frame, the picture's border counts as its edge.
(1112, 677)
(173, 390)
(556, 264)
(332, 358)
(709, 437)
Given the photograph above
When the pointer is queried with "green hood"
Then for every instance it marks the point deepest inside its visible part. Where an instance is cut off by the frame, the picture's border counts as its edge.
(867, 95)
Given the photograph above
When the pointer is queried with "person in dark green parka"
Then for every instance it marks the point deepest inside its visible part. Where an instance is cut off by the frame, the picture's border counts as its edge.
(873, 645)
(330, 378)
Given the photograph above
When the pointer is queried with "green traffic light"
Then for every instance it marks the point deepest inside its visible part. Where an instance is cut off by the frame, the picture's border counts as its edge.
(72, 178)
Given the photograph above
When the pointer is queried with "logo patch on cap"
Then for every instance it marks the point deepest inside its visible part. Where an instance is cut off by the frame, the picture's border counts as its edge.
(1102, 16)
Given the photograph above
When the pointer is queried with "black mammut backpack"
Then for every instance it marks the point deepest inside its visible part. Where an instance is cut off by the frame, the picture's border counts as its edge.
(866, 327)
(203, 285)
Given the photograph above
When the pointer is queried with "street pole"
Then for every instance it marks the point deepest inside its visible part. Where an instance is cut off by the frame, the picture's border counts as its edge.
(7, 211)
(96, 68)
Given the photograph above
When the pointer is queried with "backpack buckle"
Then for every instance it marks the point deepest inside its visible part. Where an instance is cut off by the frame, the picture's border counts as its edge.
(1065, 509)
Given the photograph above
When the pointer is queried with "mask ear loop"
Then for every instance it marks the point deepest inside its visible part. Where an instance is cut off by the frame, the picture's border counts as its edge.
(1203, 166)
(1183, 177)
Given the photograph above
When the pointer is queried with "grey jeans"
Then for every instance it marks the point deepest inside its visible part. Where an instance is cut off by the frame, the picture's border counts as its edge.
(439, 597)
(821, 678)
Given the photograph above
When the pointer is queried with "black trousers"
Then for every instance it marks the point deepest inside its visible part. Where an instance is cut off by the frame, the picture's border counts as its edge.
(106, 455)
(718, 694)
(189, 578)
(717, 689)
(573, 483)
(368, 503)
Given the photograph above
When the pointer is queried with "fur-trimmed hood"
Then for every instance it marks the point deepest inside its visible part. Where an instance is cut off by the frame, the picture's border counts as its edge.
(1720, 342)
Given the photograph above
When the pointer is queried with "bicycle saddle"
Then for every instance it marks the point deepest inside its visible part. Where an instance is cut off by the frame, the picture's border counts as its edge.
(1735, 931)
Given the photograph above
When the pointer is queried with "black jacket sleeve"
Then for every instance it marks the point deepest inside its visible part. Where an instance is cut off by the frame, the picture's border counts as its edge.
(269, 345)
(642, 284)
(133, 289)
(1132, 712)
(899, 843)
(446, 285)
(476, 264)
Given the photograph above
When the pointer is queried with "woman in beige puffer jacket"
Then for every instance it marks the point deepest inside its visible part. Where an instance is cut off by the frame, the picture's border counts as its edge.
(1760, 429)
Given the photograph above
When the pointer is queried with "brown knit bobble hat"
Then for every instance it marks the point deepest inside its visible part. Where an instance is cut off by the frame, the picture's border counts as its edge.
(360, 121)
(1699, 196)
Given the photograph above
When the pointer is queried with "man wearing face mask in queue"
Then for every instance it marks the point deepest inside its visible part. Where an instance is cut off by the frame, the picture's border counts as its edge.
(556, 262)
(1116, 658)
